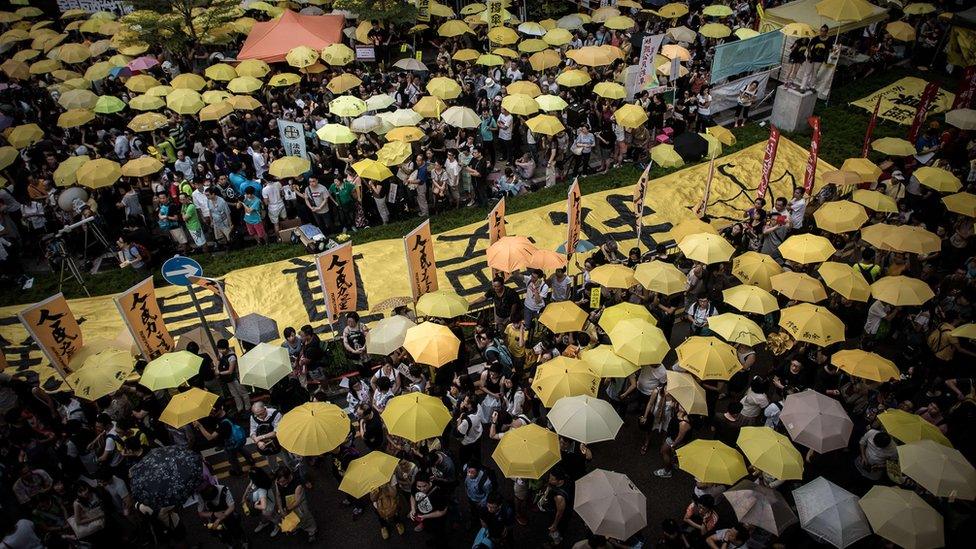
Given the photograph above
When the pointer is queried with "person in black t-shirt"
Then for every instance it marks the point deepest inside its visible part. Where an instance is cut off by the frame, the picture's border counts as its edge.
(818, 49)
(428, 509)
(478, 169)
(505, 303)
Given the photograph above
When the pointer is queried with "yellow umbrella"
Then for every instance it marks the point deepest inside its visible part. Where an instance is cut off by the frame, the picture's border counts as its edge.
(900, 30)
(903, 238)
(7, 156)
(101, 374)
(188, 81)
(335, 133)
(430, 106)
(253, 67)
(432, 344)
(866, 365)
(967, 331)
(243, 102)
(706, 248)
(75, 117)
(140, 83)
(619, 22)
(663, 278)
(915, 8)
(264, 366)
(443, 87)
(284, 79)
(520, 104)
(372, 169)
(563, 316)
(313, 428)
(665, 156)
(187, 407)
(714, 30)
(215, 96)
(459, 117)
(711, 461)
(708, 358)
(813, 324)
(613, 275)
(639, 341)
(65, 75)
(453, 27)
(465, 55)
(159, 91)
(301, 57)
(66, 172)
(184, 101)
(610, 90)
(170, 370)
(215, 111)
(489, 60)
(961, 203)
(338, 54)
(611, 316)
(99, 173)
(532, 45)
(442, 304)
(937, 178)
(941, 470)
(545, 124)
(557, 37)
(807, 248)
(724, 135)
(365, 474)
(901, 291)
(902, 517)
(799, 287)
(25, 55)
(845, 10)
(605, 363)
(347, 105)
(893, 146)
(147, 122)
(289, 166)
(908, 427)
(16, 69)
(544, 59)
(569, 377)
(771, 452)
(630, 116)
(756, 269)
(73, 53)
(687, 392)
(736, 328)
(108, 104)
(78, 99)
(591, 56)
(244, 84)
(221, 72)
(750, 299)
(503, 36)
(510, 253)
(874, 200)
(840, 216)
(845, 280)
(394, 153)
(527, 452)
(416, 416)
(572, 78)
(798, 30)
(408, 134)
(146, 103)
(868, 171)
(44, 66)
(964, 119)
(141, 167)
(343, 83)
(688, 227)
(98, 71)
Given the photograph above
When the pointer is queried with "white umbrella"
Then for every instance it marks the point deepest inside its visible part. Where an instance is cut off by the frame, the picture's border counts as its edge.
(760, 506)
(264, 365)
(365, 123)
(816, 421)
(388, 334)
(610, 504)
(830, 513)
(585, 419)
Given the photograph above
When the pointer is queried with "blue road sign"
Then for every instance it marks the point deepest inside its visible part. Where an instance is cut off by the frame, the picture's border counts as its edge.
(177, 269)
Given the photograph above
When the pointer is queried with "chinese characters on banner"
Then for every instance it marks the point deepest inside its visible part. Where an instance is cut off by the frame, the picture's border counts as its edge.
(214, 286)
(54, 328)
(141, 314)
(292, 136)
(423, 10)
(870, 131)
(574, 217)
(496, 222)
(495, 13)
(810, 175)
(923, 110)
(337, 274)
(646, 72)
(421, 268)
(967, 89)
(640, 190)
(769, 157)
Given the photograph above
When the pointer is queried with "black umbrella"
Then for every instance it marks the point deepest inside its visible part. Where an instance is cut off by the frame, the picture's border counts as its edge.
(166, 476)
(690, 146)
(254, 328)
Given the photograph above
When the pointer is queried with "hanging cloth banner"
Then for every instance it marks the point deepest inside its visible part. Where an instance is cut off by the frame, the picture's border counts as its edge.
(574, 217)
(421, 267)
(54, 328)
(928, 95)
(337, 274)
(640, 191)
(870, 131)
(769, 157)
(496, 222)
(810, 174)
(142, 316)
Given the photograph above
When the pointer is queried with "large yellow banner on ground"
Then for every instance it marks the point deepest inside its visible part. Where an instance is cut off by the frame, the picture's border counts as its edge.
(290, 292)
(899, 101)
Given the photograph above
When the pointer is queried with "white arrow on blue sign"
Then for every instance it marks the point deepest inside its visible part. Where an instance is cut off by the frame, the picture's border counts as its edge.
(177, 269)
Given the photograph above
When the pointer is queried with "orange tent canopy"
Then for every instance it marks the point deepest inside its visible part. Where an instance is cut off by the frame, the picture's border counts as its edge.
(269, 41)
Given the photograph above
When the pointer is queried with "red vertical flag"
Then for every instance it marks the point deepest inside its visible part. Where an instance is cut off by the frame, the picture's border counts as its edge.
(810, 174)
(967, 89)
(923, 110)
(768, 159)
(871, 124)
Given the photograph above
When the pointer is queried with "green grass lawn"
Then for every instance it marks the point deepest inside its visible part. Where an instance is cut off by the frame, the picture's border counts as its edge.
(842, 129)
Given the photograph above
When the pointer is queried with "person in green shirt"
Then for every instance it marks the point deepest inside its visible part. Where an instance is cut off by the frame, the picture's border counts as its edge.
(167, 151)
(345, 192)
(191, 218)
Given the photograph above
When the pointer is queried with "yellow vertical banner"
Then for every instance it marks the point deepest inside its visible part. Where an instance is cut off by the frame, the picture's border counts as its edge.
(423, 11)
(53, 326)
(495, 17)
(421, 267)
(337, 273)
(213, 286)
(574, 217)
(496, 222)
(142, 316)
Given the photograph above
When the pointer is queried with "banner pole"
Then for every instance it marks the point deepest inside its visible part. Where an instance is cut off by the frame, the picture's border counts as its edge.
(203, 319)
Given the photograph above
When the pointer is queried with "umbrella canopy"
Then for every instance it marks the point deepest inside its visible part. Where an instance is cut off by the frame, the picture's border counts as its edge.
(813, 324)
(901, 291)
(840, 216)
(547, 260)
(313, 429)
(347, 105)
(442, 304)
(688, 227)
(761, 507)
(520, 104)
(388, 334)
(367, 473)
(289, 166)
(563, 316)
(372, 169)
(873, 200)
(101, 374)
(939, 179)
(184, 101)
(432, 344)
(416, 416)
(630, 116)
(867, 171)
(941, 470)
(771, 452)
(902, 238)
(736, 328)
(708, 358)
(711, 461)
(689, 394)
(187, 407)
(610, 504)
(613, 275)
(221, 71)
(845, 280)
(527, 452)
(605, 363)
(639, 341)
(460, 117)
(545, 124)
(901, 516)
(750, 299)
(816, 421)
(900, 30)
(166, 476)
(706, 248)
(170, 370)
(961, 203)
(908, 427)
(807, 248)
(25, 135)
(830, 513)
(562, 377)
(98, 173)
(254, 328)
(865, 365)
(756, 269)
(343, 83)
(623, 311)
(663, 278)
(666, 156)
(799, 286)
(335, 133)
(264, 365)
(964, 119)
(690, 146)
(585, 419)
(510, 253)
(893, 146)
(430, 106)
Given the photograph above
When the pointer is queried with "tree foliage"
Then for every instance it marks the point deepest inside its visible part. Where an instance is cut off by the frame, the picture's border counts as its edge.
(179, 26)
(391, 11)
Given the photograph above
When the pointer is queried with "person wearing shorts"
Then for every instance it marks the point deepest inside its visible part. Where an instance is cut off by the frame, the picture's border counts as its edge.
(220, 220)
(252, 216)
(275, 202)
(191, 218)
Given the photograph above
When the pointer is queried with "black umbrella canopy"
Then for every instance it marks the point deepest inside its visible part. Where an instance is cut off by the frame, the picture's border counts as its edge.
(254, 328)
(690, 146)
(166, 476)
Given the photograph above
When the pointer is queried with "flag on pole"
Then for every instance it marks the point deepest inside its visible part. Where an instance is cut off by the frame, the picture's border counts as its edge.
(870, 130)
(811, 172)
(768, 159)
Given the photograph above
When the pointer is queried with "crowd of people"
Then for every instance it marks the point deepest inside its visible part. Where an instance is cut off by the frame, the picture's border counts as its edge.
(66, 464)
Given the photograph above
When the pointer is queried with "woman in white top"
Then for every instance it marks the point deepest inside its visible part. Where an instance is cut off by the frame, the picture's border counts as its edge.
(754, 402)
(650, 380)
(536, 292)
(704, 108)
(388, 371)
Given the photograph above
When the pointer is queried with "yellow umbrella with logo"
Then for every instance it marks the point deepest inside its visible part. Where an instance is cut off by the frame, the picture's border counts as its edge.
(215, 111)
(408, 134)
(813, 324)
(284, 79)
(347, 105)
(771, 452)
(706, 248)
(545, 124)
(67, 171)
(687, 392)
(101, 374)
(99, 173)
(187, 407)
(663, 278)
(367, 473)
(335, 133)
(845, 280)
(807, 248)
(184, 101)
(301, 57)
(865, 365)
(961, 203)
(432, 344)
(141, 167)
(442, 304)
(606, 363)
(343, 83)
(147, 122)
(140, 83)
(908, 427)
(170, 370)
(544, 59)
(611, 316)
(338, 54)
(221, 72)
(799, 286)
(708, 358)
(416, 416)
(75, 117)
(630, 116)
(503, 36)
(466, 55)
(215, 96)
(840, 216)
(563, 316)
(901, 291)
(520, 104)
(756, 269)
(639, 341)
(527, 452)
(845, 10)
(613, 275)
(313, 429)
(372, 169)
(253, 67)
(939, 179)
(711, 461)
(394, 153)
(736, 328)
(244, 84)
(562, 377)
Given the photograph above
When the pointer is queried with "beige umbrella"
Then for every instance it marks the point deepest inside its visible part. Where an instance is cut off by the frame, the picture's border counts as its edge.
(610, 504)
(903, 517)
(816, 421)
(760, 506)
(585, 419)
(941, 470)
(388, 334)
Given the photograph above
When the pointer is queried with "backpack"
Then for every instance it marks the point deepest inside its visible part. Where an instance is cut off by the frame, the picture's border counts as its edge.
(503, 355)
(237, 436)
(271, 446)
(387, 503)
(143, 252)
(457, 430)
(488, 475)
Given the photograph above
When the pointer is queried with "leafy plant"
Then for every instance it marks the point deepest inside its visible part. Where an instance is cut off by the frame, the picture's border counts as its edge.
(178, 26)
(391, 11)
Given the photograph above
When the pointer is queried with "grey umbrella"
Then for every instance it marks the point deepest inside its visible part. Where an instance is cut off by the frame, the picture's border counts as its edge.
(830, 513)
(166, 476)
(610, 504)
(760, 506)
(255, 328)
(816, 421)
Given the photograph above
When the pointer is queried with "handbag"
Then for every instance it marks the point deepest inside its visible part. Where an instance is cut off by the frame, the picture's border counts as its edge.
(289, 522)
(576, 149)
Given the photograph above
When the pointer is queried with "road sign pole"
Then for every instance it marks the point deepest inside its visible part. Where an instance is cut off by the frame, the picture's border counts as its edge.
(203, 319)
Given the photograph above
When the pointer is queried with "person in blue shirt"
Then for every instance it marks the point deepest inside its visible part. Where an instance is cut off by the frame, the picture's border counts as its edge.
(252, 216)
(487, 131)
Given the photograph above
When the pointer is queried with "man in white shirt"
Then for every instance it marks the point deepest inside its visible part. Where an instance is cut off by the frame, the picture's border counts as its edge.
(258, 159)
(798, 208)
(273, 199)
(121, 147)
(536, 292)
(505, 123)
(183, 166)
(199, 198)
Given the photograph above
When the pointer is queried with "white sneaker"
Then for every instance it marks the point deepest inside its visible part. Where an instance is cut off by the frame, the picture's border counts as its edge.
(260, 527)
(663, 473)
(275, 531)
